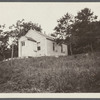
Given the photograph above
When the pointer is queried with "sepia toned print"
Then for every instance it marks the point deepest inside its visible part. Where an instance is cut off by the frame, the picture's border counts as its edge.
(49, 48)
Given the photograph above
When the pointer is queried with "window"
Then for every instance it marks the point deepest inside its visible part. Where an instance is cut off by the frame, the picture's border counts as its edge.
(23, 43)
(53, 46)
(62, 49)
(38, 48)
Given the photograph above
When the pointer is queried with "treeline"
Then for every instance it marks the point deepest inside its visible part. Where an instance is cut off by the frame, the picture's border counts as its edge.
(81, 32)
(9, 39)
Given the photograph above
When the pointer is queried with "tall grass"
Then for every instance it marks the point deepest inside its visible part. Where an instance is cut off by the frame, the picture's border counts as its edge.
(79, 73)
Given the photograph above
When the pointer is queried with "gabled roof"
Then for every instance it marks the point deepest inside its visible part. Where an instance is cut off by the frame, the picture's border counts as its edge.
(46, 36)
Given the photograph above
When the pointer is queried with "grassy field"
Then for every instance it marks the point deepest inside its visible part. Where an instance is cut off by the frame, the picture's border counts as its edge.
(78, 73)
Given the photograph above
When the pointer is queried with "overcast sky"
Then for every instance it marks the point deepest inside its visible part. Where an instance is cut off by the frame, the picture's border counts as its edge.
(45, 14)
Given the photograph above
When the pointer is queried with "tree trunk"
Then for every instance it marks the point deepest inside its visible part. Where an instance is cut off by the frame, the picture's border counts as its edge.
(71, 49)
(3, 54)
(12, 52)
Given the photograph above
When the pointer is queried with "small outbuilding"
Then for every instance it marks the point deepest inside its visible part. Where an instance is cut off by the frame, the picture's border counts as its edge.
(36, 44)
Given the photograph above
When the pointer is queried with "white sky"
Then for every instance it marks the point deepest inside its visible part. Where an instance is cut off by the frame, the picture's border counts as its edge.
(45, 14)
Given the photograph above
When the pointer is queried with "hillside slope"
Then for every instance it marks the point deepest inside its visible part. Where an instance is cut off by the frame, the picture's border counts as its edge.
(79, 73)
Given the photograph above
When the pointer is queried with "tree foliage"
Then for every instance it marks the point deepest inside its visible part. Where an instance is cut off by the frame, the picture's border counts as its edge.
(3, 42)
(82, 33)
(84, 29)
(21, 28)
(64, 26)
(63, 30)
(85, 15)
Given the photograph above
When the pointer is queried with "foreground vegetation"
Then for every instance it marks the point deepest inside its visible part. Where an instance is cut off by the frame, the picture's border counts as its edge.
(78, 73)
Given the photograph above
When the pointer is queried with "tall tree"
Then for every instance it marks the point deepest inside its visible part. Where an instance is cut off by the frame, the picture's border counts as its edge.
(63, 30)
(83, 28)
